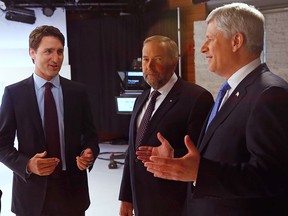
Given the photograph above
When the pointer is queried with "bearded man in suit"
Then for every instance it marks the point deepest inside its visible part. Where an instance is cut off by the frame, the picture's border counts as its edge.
(180, 109)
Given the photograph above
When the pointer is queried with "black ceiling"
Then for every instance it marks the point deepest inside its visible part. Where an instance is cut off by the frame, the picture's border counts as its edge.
(103, 5)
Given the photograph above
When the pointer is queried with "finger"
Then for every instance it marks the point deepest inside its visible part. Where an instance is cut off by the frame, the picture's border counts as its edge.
(161, 138)
(80, 160)
(160, 164)
(49, 160)
(143, 153)
(41, 155)
(161, 160)
(163, 141)
(44, 162)
(82, 164)
(161, 171)
(190, 145)
(47, 169)
(87, 152)
(145, 148)
(87, 156)
(86, 160)
(161, 174)
(143, 158)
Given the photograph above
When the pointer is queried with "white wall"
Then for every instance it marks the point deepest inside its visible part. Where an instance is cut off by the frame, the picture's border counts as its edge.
(277, 42)
(276, 50)
(15, 62)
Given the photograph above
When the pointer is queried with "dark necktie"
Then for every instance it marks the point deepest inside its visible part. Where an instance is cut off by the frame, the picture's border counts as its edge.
(146, 118)
(51, 126)
(218, 101)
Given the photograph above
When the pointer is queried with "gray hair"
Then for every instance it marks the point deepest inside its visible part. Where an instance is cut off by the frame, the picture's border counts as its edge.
(240, 17)
(170, 44)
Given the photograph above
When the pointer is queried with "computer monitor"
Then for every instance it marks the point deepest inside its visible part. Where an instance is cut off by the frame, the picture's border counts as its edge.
(132, 80)
(124, 105)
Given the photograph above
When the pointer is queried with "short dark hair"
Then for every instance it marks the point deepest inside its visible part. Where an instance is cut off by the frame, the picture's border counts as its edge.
(38, 33)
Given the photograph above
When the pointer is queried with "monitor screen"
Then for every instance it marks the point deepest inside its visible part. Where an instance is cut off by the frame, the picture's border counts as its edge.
(124, 105)
(132, 80)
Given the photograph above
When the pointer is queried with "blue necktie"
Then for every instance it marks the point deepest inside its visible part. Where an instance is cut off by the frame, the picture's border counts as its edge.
(219, 98)
(146, 118)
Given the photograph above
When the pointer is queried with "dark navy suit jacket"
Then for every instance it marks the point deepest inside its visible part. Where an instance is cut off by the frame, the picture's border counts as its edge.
(19, 115)
(182, 112)
(244, 165)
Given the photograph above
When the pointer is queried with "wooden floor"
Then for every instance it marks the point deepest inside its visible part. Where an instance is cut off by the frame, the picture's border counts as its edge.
(104, 185)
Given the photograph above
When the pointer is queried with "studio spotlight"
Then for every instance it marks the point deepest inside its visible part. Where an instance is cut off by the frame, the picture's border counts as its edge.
(21, 15)
(48, 10)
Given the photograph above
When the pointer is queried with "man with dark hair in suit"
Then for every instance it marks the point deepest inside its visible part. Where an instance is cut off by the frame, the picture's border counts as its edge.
(50, 165)
(240, 166)
(180, 109)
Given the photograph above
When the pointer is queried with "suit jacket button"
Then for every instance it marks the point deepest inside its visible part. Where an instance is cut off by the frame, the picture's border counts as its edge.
(136, 160)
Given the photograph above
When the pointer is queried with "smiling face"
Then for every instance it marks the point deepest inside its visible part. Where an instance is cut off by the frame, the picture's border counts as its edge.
(219, 51)
(157, 63)
(48, 57)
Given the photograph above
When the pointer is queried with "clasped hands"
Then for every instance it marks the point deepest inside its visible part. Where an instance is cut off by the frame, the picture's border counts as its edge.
(42, 166)
(161, 162)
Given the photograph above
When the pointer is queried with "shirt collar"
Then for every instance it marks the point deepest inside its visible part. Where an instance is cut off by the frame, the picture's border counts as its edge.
(164, 90)
(239, 75)
(40, 82)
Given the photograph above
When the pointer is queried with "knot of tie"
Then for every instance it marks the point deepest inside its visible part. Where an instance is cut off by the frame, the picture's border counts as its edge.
(154, 95)
(48, 85)
(225, 86)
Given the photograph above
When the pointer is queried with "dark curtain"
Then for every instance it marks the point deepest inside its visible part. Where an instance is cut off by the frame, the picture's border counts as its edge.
(99, 46)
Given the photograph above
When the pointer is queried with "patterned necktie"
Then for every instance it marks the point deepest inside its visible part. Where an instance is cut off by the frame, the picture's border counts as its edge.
(146, 118)
(218, 101)
(51, 126)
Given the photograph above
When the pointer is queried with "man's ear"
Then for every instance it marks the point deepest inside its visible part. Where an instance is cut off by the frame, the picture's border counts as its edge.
(32, 54)
(237, 41)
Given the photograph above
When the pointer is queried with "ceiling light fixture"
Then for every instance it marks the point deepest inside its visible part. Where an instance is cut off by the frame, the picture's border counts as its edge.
(48, 10)
(20, 15)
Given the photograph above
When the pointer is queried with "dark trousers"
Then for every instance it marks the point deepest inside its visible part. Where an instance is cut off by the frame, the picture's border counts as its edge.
(58, 198)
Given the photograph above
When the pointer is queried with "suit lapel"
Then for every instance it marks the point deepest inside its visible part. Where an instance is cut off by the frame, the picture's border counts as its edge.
(169, 101)
(235, 98)
(166, 105)
(139, 103)
(160, 113)
(34, 110)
